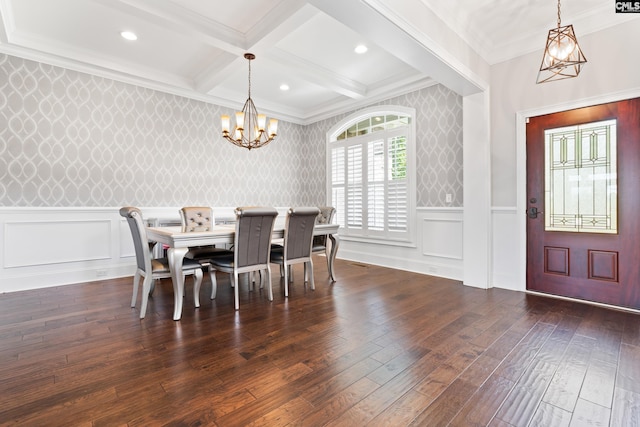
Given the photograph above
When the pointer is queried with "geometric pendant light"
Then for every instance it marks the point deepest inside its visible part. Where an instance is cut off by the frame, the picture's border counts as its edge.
(563, 57)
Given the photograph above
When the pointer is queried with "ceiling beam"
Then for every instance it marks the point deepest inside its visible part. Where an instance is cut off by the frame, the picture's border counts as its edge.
(279, 22)
(313, 73)
(216, 71)
(396, 33)
(168, 14)
(288, 15)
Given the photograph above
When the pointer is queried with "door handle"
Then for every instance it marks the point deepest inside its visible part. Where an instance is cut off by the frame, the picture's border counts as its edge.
(533, 212)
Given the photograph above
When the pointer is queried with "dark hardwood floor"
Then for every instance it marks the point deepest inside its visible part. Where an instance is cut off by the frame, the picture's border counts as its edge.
(378, 347)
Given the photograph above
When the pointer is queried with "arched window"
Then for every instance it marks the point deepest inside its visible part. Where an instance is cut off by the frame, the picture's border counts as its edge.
(371, 174)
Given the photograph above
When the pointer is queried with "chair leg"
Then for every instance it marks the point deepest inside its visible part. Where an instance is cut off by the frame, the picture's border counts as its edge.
(197, 283)
(214, 283)
(136, 281)
(286, 270)
(327, 256)
(146, 287)
(305, 272)
(249, 277)
(262, 279)
(269, 283)
(310, 270)
(235, 290)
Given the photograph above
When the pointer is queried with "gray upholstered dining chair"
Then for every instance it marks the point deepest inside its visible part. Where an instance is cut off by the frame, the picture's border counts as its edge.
(298, 238)
(152, 268)
(326, 216)
(251, 249)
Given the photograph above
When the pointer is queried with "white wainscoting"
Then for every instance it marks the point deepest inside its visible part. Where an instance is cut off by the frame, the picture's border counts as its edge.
(507, 248)
(44, 247)
(438, 249)
(32, 243)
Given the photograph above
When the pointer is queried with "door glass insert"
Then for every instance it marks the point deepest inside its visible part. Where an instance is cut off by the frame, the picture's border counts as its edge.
(581, 179)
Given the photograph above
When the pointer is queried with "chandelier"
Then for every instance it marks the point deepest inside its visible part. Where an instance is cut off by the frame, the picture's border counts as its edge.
(562, 55)
(249, 131)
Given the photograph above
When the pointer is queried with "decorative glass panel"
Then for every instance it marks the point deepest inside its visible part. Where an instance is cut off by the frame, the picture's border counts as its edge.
(581, 178)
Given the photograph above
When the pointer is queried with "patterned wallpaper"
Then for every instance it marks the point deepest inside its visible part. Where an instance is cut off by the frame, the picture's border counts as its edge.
(438, 144)
(73, 139)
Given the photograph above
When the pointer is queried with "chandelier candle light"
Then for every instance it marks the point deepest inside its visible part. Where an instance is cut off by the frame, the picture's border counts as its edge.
(562, 55)
(250, 129)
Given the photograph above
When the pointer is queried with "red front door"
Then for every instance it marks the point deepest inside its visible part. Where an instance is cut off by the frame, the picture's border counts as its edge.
(563, 257)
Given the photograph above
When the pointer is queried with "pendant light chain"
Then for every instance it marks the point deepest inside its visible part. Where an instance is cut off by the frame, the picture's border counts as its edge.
(559, 21)
(249, 78)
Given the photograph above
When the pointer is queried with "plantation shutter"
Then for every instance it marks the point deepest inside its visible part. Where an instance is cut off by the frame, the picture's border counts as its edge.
(369, 179)
(338, 182)
(354, 187)
(398, 185)
(376, 184)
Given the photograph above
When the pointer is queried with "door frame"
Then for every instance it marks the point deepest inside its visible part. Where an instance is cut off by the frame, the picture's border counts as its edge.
(521, 171)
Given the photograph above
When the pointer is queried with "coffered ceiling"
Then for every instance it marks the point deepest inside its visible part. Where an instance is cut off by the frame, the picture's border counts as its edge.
(195, 47)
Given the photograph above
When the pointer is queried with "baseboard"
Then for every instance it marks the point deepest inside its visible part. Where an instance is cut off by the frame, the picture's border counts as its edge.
(430, 268)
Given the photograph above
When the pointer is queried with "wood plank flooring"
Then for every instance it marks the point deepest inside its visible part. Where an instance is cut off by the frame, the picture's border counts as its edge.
(379, 347)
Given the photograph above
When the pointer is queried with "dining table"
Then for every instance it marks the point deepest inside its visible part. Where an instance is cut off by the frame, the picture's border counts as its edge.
(179, 239)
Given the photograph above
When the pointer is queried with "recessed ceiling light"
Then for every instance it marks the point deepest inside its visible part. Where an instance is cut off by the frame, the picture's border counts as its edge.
(284, 86)
(360, 49)
(129, 35)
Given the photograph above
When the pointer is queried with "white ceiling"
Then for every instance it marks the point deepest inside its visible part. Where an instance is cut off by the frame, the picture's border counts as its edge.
(195, 47)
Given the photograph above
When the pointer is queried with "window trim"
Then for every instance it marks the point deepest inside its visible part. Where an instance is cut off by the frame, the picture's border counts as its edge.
(345, 123)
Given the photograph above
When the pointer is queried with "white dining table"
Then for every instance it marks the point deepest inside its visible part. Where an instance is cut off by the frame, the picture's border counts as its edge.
(179, 240)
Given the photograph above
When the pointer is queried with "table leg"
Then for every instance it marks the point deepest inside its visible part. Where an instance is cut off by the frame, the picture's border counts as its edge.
(335, 241)
(175, 257)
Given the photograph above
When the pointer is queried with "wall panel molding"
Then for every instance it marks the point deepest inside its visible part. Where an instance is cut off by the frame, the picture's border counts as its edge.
(44, 247)
(111, 234)
(426, 258)
(438, 251)
(442, 237)
(506, 248)
(47, 246)
(31, 243)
